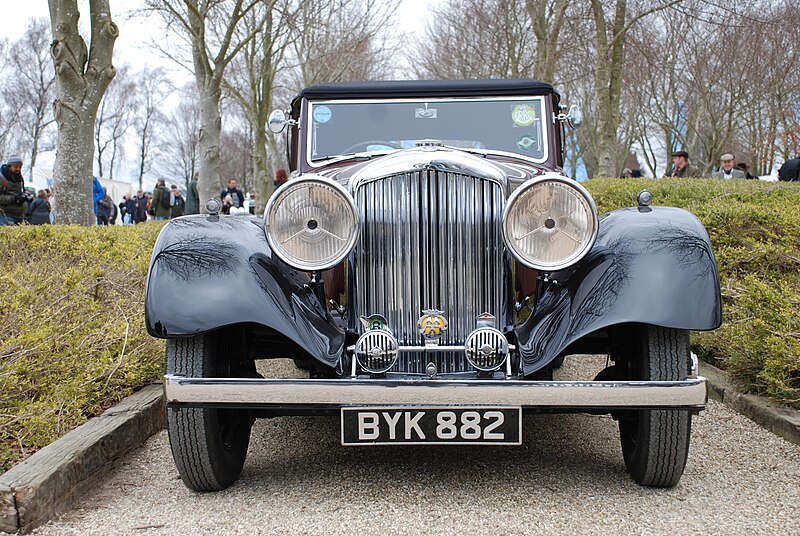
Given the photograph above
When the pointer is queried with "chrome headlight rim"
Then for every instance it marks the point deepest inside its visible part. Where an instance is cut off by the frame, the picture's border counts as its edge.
(575, 257)
(300, 182)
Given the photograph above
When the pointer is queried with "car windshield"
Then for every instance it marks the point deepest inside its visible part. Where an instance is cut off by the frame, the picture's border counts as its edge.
(510, 125)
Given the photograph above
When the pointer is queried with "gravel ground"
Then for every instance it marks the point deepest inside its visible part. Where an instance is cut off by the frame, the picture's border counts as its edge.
(567, 476)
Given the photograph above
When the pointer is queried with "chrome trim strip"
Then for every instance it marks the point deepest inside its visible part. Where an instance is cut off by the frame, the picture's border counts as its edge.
(685, 394)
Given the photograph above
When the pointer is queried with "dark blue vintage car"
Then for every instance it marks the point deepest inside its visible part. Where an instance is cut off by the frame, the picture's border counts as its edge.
(429, 265)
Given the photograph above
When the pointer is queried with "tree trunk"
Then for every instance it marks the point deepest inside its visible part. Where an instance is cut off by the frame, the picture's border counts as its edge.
(208, 185)
(82, 78)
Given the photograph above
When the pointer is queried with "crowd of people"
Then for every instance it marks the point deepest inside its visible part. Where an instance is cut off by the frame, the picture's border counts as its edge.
(18, 204)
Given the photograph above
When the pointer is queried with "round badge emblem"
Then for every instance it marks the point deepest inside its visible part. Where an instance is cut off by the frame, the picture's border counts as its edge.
(523, 115)
(432, 323)
(322, 114)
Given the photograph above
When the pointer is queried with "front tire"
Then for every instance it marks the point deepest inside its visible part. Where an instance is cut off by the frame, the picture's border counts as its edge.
(208, 445)
(655, 443)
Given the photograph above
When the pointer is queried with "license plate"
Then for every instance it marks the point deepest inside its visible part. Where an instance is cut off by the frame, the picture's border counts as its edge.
(443, 425)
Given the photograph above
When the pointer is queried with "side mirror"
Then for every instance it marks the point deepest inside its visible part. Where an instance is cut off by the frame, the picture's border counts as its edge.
(277, 121)
(575, 116)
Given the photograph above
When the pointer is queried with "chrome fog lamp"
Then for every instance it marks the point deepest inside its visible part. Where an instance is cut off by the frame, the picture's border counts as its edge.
(311, 223)
(213, 206)
(550, 223)
(376, 351)
(486, 349)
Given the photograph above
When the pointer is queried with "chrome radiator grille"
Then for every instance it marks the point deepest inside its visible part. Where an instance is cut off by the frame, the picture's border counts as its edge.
(430, 240)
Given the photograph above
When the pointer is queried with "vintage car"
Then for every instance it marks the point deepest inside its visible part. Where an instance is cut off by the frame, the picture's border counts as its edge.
(428, 266)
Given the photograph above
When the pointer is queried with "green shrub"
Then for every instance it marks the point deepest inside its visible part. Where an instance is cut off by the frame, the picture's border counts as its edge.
(755, 231)
(73, 337)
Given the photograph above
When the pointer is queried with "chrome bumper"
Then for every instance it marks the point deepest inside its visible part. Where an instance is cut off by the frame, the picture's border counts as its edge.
(245, 392)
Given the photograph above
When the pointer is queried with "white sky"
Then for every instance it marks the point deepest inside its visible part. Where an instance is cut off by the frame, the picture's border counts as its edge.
(135, 33)
(132, 44)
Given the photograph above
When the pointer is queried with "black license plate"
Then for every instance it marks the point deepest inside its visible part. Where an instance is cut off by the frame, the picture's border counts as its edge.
(450, 425)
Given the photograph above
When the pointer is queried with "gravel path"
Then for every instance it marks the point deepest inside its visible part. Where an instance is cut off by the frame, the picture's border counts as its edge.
(567, 476)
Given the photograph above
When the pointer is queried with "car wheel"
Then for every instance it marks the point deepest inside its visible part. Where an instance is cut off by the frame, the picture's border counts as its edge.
(209, 445)
(655, 443)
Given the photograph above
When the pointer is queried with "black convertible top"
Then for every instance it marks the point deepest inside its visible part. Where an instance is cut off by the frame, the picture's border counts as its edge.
(426, 88)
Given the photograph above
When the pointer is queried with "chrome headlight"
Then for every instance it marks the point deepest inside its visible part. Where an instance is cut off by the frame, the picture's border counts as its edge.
(311, 223)
(550, 223)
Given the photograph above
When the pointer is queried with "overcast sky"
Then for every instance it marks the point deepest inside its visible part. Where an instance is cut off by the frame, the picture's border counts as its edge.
(135, 33)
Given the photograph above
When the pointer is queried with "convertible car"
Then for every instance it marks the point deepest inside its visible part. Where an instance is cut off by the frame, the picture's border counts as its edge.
(428, 266)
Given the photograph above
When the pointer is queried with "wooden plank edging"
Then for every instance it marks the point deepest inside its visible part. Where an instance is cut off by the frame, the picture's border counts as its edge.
(35, 490)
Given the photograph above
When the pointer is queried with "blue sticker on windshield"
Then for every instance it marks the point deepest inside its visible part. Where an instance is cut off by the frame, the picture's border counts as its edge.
(322, 114)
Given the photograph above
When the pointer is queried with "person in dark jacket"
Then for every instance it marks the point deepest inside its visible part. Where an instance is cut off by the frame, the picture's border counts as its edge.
(237, 197)
(104, 208)
(12, 192)
(192, 197)
(39, 210)
(790, 170)
(681, 166)
(160, 206)
(141, 207)
(178, 202)
(130, 210)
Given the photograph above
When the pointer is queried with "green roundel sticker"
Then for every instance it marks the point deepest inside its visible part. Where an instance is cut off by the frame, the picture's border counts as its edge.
(523, 115)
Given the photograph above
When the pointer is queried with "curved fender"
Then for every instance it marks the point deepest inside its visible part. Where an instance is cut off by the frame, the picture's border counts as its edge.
(652, 265)
(208, 272)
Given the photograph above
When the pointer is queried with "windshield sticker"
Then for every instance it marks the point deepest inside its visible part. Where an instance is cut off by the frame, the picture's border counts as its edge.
(426, 113)
(526, 142)
(322, 114)
(523, 115)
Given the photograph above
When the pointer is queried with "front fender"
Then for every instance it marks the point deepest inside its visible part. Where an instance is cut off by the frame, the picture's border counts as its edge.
(651, 265)
(209, 272)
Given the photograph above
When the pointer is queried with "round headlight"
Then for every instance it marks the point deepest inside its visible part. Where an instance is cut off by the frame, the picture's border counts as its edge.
(311, 223)
(550, 223)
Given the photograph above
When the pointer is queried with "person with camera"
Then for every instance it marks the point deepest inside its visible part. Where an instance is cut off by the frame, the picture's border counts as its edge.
(12, 192)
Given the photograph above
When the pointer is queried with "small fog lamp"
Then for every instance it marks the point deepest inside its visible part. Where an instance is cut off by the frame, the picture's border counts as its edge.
(644, 198)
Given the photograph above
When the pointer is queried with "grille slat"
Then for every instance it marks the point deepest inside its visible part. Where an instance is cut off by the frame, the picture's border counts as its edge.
(430, 240)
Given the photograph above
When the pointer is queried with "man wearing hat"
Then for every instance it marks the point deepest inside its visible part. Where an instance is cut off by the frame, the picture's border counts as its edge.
(681, 167)
(726, 169)
(12, 192)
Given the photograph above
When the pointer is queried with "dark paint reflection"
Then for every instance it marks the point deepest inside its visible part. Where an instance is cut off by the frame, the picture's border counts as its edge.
(654, 267)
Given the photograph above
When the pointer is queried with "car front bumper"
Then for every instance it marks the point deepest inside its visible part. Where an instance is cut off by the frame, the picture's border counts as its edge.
(330, 393)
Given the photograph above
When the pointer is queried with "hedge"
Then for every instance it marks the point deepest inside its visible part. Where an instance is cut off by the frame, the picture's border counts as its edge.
(73, 338)
(755, 232)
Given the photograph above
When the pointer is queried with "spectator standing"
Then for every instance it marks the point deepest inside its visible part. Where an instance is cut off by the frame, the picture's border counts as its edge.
(39, 210)
(160, 207)
(104, 208)
(790, 170)
(726, 169)
(281, 176)
(237, 197)
(99, 193)
(178, 202)
(192, 197)
(746, 170)
(12, 192)
(141, 207)
(123, 210)
(681, 166)
(130, 210)
(112, 220)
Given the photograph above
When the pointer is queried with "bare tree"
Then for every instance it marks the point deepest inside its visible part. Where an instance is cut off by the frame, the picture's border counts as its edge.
(30, 88)
(148, 117)
(177, 142)
(82, 77)
(114, 118)
(209, 27)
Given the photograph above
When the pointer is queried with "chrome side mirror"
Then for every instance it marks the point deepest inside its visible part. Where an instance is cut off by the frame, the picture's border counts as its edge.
(277, 121)
(575, 116)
